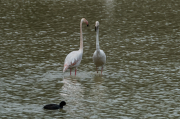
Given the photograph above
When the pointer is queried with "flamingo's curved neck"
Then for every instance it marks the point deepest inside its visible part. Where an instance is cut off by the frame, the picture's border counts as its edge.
(97, 38)
(81, 36)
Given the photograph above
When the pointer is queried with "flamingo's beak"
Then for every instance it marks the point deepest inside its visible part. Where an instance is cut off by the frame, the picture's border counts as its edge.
(87, 23)
(95, 28)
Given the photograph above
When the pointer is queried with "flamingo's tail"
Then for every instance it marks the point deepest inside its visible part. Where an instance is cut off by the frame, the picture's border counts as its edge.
(65, 67)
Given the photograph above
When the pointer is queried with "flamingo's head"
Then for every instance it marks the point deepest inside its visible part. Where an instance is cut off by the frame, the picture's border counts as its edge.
(85, 21)
(96, 25)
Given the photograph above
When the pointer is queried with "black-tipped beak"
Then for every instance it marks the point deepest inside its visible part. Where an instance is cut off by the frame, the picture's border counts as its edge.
(87, 25)
(95, 28)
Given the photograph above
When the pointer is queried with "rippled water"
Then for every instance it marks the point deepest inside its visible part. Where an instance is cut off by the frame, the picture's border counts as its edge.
(141, 42)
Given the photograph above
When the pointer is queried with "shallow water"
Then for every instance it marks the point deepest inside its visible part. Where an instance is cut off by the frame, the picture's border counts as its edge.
(141, 42)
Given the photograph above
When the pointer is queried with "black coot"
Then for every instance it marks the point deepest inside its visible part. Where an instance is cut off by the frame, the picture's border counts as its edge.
(55, 106)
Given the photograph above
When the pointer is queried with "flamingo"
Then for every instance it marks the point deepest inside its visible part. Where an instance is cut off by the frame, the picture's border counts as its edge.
(73, 59)
(99, 57)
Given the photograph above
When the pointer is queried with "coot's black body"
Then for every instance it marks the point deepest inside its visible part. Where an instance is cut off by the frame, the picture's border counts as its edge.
(55, 106)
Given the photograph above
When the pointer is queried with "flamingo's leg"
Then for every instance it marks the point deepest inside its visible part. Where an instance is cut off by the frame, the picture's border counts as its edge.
(101, 70)
(96, 69)
(70, 71)
(75, 71)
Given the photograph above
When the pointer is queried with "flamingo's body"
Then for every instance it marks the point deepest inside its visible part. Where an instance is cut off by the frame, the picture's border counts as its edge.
(73, 59)
(99, 57)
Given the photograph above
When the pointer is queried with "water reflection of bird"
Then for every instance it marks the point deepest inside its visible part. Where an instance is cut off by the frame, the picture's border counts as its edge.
(99, 57)
(74, 58)
(55, 106)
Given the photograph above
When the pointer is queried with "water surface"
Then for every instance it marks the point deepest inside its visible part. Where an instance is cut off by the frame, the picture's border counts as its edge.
(140, 78)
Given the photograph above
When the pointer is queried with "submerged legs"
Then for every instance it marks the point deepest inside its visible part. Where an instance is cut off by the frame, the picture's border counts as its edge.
(101, 70)
(96, 69)
(75, 71)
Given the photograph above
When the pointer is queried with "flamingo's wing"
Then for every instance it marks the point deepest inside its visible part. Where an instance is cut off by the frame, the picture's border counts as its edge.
(103, 55)
(99, 58)
(72, 59)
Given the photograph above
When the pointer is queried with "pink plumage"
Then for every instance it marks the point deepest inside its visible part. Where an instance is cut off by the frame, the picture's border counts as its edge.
(73, 59)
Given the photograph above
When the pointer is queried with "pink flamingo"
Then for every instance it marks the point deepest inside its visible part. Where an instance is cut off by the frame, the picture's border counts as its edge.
(73, 59)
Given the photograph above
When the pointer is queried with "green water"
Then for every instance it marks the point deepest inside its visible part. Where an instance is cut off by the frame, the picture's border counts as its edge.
(141, 75)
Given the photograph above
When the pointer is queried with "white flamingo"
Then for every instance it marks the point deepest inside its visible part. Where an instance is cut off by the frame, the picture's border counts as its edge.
(73, 59)
(99, 57)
